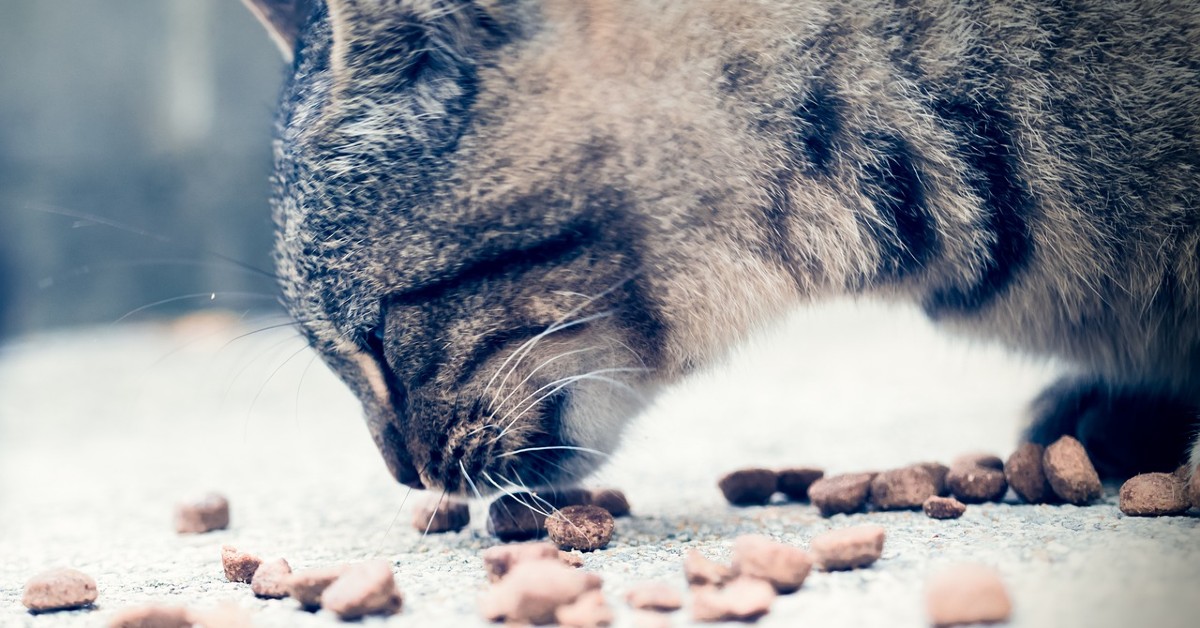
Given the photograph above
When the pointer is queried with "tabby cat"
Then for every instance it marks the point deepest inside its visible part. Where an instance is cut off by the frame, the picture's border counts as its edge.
(504, 223)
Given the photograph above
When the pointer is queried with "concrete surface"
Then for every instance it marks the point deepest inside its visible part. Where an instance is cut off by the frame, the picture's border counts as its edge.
(102, 430)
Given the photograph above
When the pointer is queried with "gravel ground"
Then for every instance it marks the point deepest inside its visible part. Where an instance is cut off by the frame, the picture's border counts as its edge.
(102, 430)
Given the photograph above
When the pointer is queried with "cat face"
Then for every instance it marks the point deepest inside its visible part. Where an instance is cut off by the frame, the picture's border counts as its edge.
(493, 236)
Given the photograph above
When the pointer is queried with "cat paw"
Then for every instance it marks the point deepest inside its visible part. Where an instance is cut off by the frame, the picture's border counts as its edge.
(1126, 429)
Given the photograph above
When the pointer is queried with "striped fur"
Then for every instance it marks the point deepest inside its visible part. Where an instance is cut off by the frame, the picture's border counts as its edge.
(456, 177)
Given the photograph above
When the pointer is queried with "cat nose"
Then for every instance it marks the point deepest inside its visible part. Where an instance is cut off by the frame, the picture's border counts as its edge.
(396, 456)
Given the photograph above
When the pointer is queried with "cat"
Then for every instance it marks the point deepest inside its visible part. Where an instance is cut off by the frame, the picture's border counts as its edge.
(506, 223)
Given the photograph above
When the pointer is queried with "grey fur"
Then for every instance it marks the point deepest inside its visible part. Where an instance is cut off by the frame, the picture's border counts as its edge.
(454, 177)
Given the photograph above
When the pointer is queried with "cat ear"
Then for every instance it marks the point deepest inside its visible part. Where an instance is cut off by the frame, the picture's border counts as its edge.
(283, 20)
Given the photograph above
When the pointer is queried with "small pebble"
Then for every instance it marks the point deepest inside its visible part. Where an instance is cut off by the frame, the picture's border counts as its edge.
(363, 589)
(206, 514)
(583, 528)
(500, 559)
(654, 596)
(902, 489)
(1025, 473)
(152, 617)
(306, 586)
(943, 508)
(743, 599)
(587, 611)
(440, 515)
(977, 483)
(849, 548)
(58, 590)
(1070, 472)
(846, 493)
(532, 592)
(794, 482)
(270, 580)
(701, 571)
(967, 594)
(784, 566)
(749, 487)
(1153, 495)
(239, 566)
(612, 500)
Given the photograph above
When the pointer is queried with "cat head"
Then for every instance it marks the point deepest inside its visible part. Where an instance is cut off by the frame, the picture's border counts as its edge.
(485, 228)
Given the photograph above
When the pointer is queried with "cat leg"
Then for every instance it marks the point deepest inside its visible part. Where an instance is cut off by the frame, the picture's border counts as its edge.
(1126, 429)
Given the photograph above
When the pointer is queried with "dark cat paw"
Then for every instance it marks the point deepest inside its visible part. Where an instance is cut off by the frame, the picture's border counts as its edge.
(1126, 430)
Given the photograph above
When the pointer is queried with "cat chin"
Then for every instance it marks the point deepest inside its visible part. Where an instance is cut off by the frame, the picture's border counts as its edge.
(594, 420)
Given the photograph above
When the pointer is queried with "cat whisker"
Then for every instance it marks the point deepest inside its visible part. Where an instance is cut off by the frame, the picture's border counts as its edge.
(210, 295)
(517, 387)
(589, 450)
(559, 384)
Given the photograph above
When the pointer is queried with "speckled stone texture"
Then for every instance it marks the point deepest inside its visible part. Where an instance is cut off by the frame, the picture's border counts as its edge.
(103, 430)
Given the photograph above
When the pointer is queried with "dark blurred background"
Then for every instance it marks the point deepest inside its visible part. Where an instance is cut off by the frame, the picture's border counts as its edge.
(152, 114)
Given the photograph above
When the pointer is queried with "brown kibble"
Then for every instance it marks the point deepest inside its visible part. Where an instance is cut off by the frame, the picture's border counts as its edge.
(978, 459)
(1025, 473)
(902, 489)
(518, 516)
(976, 483)
(937, 472)
(441, 515)
(206, 514)
(533, 590)
(849, 548)
(844, 493)
(743, 599)
(583, 528)
(944, 508)
(239, 566)
(701, 571)
(306, 586)
(967, 594)
(271, 579)
(1153, 495)
(794, 482)
(655, 596)
(364, 589)
(784, 566)
(499, 560)
(612, 500)
(1070, 472)
(587, 611)
(749, 487)
(152, 617)
(58, 590)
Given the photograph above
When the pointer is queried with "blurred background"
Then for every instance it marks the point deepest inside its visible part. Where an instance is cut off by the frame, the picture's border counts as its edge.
(151, 115)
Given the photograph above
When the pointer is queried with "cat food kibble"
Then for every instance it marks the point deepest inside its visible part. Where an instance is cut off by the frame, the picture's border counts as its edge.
(441, 515)
(902, 489)
(533, 591)
(307, 585)
(152, 617)
(518, 516)
(587, 611)
(239, 566)
(794, 482)
(748, 487)
(937, 472)
(271, 579)
(1153, 495)
(654, 596)
(1070, 472)
(59, 589)
(784, 566)
(498, 560)
(209, 513)
(849, 548)
(838, 494)
(1025, 473)
(364, 589)
(967, 594)
(743, 599)
(583, 528)
(611, 500)
(701, 571)
(943, 508)
(975, 479)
